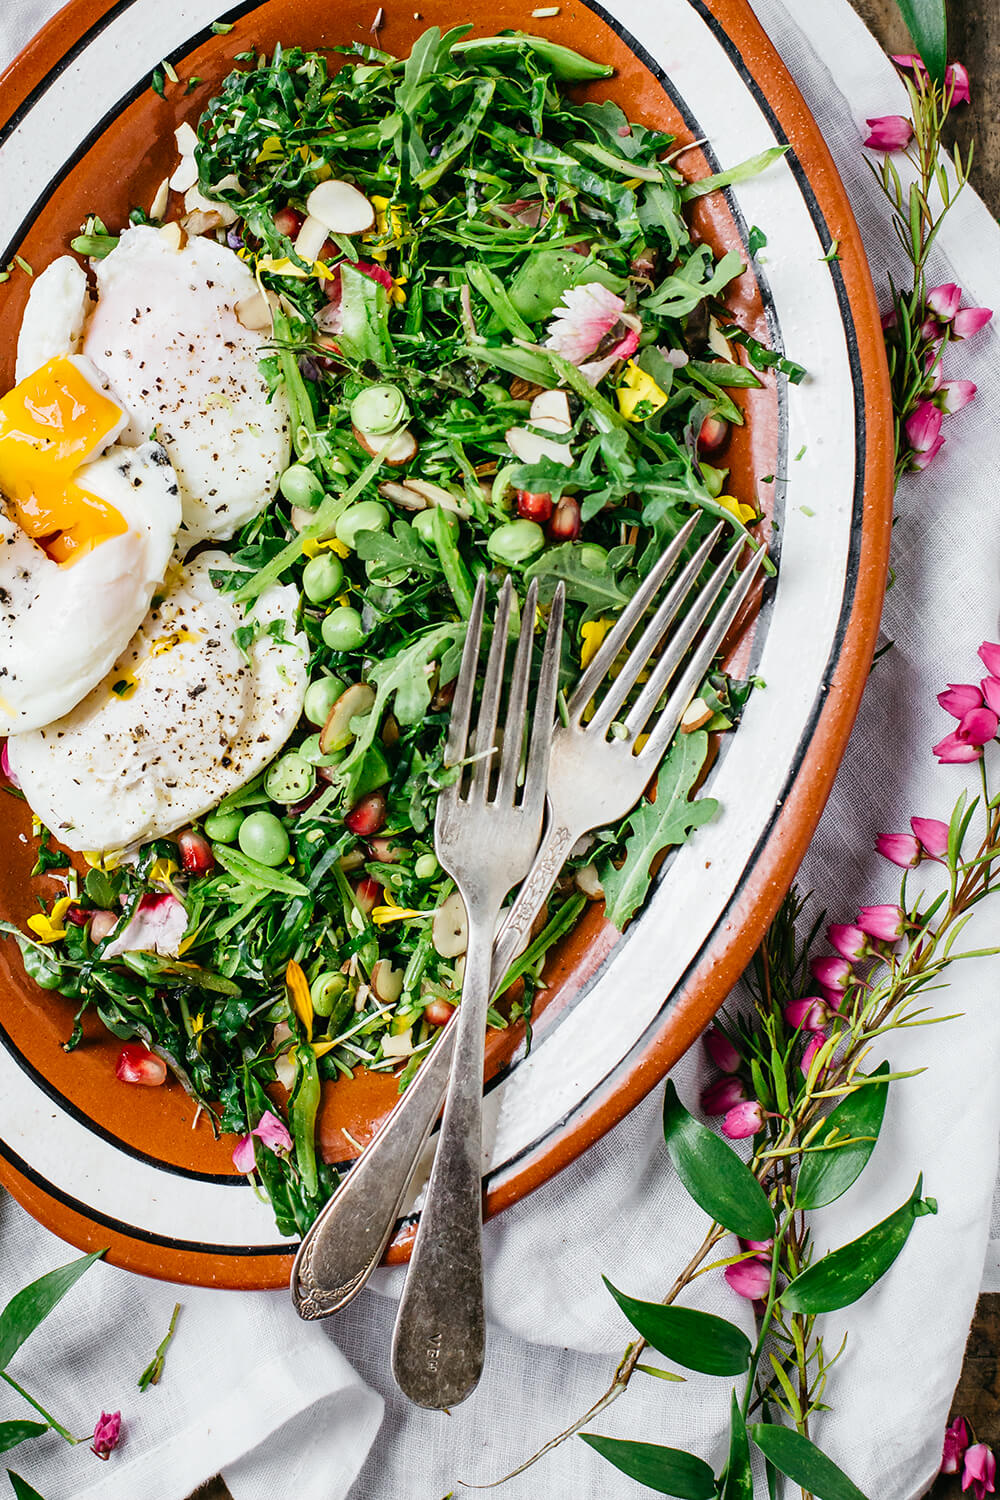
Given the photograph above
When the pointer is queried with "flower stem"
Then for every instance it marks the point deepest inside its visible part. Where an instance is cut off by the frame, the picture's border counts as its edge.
(56, 1426)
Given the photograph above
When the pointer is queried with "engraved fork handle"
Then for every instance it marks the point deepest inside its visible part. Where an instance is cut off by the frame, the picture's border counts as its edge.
(345, 1244)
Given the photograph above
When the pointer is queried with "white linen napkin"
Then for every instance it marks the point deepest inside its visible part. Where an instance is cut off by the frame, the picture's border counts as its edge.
(273, 1402)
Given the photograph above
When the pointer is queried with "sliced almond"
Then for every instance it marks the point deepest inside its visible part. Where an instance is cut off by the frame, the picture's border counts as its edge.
(550, 410)
(310, 239)
(530, 448)
(161, 199)
(696, 716)
(353, 703)
(402, 495)
(184, 175)
(285, 1069)
(436, 494)
(396, 447)
(718, 342)
(450, 927)
(186, 139)
(341, 207)
(195, 201)
(398, 1046)
(174, 234)
(589, 882)
(202, 222)
(387, 981)
(256, 312)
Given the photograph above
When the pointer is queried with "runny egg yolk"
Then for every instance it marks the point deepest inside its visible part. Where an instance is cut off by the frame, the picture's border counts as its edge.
(50, 425)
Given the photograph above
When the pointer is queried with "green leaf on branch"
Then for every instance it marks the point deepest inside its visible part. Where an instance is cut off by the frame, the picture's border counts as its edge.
(32, 1305)
(844, 1275)
(658, 825)
(713, 1174)
(696, 1340)
(22, 1489)
(927, 22)
(738, 1483)
(13, 1433)
(803, 1463)
(669, 1471)
(827, 1173)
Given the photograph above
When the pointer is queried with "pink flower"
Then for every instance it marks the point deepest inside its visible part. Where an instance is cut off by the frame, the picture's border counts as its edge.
(721, 1050)
(979, 1471)
(107, 1434)
(889, 320)
(956, 77)
(273, 1133)
(989, 655)
(944, 301)
(954, 394)
(750, 1279)
(991, 693)
(245, 1154)
(157, 926)
(976, 727)
(722, 1095)
(954, 751)
(888, 133)
(592, 321)
(886, 923)
(921, 461)
(933, 836)
(960, 698)
(762, 1247)
(900, 849)
(743, 1120)
(832, 973)
(923, 427)
(814, 1045)
(956, 1440)
(810, 1014)
(847, 940)
(833, 998)
(969, 320)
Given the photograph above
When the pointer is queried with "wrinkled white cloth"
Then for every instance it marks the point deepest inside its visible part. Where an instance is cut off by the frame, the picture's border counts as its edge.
(275, 1404)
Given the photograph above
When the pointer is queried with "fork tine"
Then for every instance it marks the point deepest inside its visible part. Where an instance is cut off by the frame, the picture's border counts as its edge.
(679, 699)
(461, 706)
(486, 724)
(513, 733)
(681, 641)
(630, 616)
(537, 772)
(638, 657)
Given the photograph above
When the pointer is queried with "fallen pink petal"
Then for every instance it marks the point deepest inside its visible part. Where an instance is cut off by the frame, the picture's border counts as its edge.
(960, 698)
(273, 1133)
(245, 1154)
(885, 923)
(722, 1095)
(902, 849)
(721, 1050)
(956, 1440)
(107, 1434)
(888, 133)
(750, 1279)
(743, 1121)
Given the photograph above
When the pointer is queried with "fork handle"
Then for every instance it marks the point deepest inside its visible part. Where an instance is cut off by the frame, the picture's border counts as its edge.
(439, 1342)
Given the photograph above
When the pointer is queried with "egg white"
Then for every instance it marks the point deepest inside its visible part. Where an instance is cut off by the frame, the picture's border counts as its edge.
(54, 316)
(197, 721)
(62, 627)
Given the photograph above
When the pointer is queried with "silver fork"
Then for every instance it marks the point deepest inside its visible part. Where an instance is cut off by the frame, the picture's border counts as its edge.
(347, 1241)
(485, 837)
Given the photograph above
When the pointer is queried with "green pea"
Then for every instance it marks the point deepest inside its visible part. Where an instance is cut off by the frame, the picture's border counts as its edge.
(289, 780)
(320, 697)
(342, 629)
(325, 990)
(593, 557)
(222, 827)
(515, 542)
(379, 409)
(423, 523)
(263, 837)
(426, 867)
(300, 486)
(310, 751)
(322, 577)
(367, 515)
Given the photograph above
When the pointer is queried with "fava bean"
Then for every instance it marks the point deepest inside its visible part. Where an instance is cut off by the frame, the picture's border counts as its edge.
(320, 697)
(222, 828)
(515, 542)
(342, 629)
(367, 515)
(322, 577)
(263, 837)
(300, 486)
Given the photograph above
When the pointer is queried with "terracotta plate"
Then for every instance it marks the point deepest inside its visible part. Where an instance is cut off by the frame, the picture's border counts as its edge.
(81, 132)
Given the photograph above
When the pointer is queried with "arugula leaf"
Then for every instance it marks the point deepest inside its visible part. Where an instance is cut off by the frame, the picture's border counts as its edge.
(364, 311)
(699, 276)
(402, 549)
(658, 825)
(739, 173)
(598, 588)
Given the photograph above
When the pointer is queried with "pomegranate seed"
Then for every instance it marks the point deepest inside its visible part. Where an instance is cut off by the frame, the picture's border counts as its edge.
(196, 852)
(101, 923)
(565, 523)
(78, 915)
(289, 221)
(136, 1064)
(439, 1012)
(368, 894)
(367, 816)
(532, 507)
(712, 436)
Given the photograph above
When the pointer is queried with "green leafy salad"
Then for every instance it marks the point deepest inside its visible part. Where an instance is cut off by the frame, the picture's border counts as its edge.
(504, 354)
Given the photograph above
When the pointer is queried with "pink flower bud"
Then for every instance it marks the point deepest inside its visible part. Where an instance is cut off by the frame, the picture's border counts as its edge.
(944, 301)
(979, 726)
(886, 923)
(833, 998)
(933, 836)
(954, 394)
(847, 940)
(908, 60)
(722, 1095)
(979, 1471)
(762, 1247)
(923, 427)
(959, 699)
(921, 461)
(888, 133)
(889, 320)
(954, 751)
(900, 849)
(107, 1434)
(750, 1279)
(969, 320)
(273, 1133)
(832, 973)
(743, 1121)
(721, 1050)
(956, 78)
(989, 655)
(810, 1014)
(991, 692)
(244, 1154)
(956, 1440)
(814, 1045)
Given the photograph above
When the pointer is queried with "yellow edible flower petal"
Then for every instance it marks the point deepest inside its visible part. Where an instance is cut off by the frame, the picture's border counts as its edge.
(744, 513)
(298, 990)
(271, 150)
(637, 387)
(48, 926)
(383, 914)
(311, 547)
(162, 872)
(592, 633)
(110, 859)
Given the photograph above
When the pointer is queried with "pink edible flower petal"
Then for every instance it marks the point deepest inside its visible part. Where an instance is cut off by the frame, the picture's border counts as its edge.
(979, 1471)
(595, 370)
(722, 1095)
(587, 315)
(989, 655)
(107, 1434)
(954, 394)
(901, 849)
(969, 320)
(932, 834)
(808, 1014)
(945, 300)
(273, 1133)
(743, 1121)
(721, 1050)
(245, 1154)
(847, 940)
(157, 926)
(908, 60)
(956, 1440)
(885, 923)
(960, 698)
(888, 133)
(923, 427)
(750, 1279)
(832, 973)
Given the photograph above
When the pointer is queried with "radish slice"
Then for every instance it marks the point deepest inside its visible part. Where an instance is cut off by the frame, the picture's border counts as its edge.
(310, 239)
(195, 201)
(550, 409)
(396, 447)
(341, 207)
(530, 448)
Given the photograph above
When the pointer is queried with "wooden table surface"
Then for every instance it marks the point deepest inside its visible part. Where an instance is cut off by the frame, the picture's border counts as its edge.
(975, 39)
